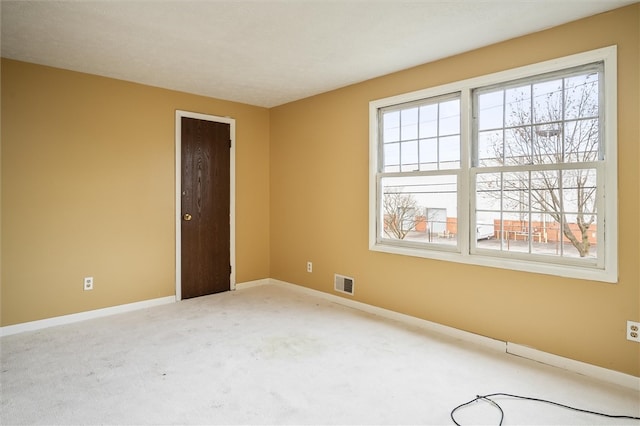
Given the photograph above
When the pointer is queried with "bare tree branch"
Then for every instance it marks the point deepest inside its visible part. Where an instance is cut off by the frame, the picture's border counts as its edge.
(566, 129)
(399, 210)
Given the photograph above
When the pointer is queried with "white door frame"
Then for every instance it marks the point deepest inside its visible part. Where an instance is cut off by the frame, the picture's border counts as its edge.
(178, 194)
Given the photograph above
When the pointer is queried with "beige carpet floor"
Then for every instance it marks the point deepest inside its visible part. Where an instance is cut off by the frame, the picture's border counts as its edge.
(273, 355)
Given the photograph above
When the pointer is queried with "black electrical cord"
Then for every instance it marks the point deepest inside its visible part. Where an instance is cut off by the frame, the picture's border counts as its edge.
(495, 404)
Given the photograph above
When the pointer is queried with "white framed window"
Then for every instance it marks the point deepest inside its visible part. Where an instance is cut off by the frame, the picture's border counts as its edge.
(514, 170)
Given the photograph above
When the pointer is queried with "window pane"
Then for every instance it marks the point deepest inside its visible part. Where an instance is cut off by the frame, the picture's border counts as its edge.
(517, 146)
(579, 239)
(515, 191)
(440, 121)
(391, 155)
(581, 96)
(391, 126)
(563, 111)
(544, 191)
(490, 110)
(548, 144)
(518, 232)
(518, 106)
(489, 191)
(485, 226)
(557, 221)
(450, 117)
(409, 155)
(409, 122)
(429, 154)
(581, 141)
(450, 152)
(429, 121)
(501, 231)
(420, 209)
(547, 101)
(579, 193)
(490, 148)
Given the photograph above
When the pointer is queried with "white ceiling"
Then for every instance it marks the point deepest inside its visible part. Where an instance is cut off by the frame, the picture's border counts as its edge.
(267, 52)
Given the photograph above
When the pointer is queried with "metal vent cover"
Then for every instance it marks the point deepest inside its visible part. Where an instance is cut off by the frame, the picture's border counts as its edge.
(343, 284)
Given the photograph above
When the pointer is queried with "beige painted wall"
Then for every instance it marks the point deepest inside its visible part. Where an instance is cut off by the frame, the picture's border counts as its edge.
(319, 211)
(88, 190)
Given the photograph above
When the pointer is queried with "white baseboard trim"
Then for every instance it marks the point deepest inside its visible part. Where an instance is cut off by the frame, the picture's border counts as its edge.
(97, 313)
(455, 333)
(82, 316)
(589, 370)
(579, 367)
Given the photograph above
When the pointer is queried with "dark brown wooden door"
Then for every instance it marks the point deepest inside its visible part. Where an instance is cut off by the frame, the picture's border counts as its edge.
(205, 207)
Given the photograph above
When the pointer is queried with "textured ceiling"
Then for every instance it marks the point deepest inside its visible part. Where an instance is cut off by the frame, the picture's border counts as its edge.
(267, 52)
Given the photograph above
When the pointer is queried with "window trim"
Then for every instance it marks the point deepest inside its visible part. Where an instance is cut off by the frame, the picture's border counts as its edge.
(607, 200)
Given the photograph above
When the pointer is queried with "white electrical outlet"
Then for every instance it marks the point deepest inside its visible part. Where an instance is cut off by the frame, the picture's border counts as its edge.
(309, 267)
(88, 283)
(633, 331)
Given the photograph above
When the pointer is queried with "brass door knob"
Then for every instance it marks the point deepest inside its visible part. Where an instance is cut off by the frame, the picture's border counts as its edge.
(187, 217)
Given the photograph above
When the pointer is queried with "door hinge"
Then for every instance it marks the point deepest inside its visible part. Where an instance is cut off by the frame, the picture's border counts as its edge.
(230, 269)
(229, 143)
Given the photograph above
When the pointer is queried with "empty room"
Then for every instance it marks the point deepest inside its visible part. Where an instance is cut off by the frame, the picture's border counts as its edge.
(320, 212)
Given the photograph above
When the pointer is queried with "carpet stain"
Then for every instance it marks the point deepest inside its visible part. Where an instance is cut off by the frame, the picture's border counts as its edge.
(290, 346)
